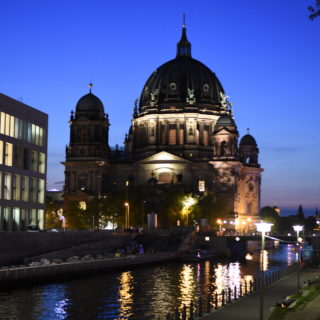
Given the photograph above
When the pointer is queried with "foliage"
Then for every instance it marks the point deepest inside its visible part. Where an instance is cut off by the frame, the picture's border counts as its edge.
(269, 214)
(75, 217)
(52, 220)
(314, 10)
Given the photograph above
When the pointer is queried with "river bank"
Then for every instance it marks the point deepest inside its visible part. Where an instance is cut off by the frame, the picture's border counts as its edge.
(31, 274)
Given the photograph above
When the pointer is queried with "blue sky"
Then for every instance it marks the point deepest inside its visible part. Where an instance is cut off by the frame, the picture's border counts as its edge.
(265, 53)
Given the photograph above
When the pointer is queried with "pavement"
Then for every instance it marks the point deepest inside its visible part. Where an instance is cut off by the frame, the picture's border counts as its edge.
(248, 308)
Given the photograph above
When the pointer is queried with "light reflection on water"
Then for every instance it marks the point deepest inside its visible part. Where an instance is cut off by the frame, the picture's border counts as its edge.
(146, 293)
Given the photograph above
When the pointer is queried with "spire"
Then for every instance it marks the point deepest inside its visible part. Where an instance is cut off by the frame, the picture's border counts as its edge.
(184, 46)
(90, 85)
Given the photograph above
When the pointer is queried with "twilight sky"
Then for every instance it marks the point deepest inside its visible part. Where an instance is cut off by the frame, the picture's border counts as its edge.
(265, 53)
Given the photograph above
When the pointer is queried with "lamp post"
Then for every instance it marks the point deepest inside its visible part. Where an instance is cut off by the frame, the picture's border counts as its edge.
(297, 229)
(127, 221)
(219, 222)
(262, 227)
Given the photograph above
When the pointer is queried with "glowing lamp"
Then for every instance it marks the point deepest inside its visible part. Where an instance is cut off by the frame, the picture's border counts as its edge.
(207, 238)
(297, 228)
(264, 226)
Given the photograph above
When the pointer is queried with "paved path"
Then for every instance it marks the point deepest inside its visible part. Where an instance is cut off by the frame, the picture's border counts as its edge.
(248, 308)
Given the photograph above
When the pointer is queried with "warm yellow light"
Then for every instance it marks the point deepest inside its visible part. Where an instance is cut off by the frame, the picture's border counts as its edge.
(248, 219)
(243, 222)
(207, 238)
(126, 204)
(248, 256)
(188, 202)
(219, 221)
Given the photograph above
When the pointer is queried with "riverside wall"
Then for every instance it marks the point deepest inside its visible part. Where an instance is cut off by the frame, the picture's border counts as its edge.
(16, 246)
(31, 274)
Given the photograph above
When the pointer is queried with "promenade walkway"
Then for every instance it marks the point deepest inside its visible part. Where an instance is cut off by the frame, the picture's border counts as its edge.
(248, 307)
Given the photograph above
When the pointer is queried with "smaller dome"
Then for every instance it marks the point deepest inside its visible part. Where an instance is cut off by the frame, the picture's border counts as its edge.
(89, 103)
(225, 121)
(248, 140)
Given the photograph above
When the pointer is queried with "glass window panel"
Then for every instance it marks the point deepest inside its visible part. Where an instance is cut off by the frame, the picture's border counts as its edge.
(34, 160)
(0, 187)
(16, 127)
(1, 152)
(7, 125)
(16, 219)
(11, 126)
(34, 133)
(24, 215)
(8, 154)
(25, 188)
(37, 136)
(40, 137)
(29, 139)
(21, 122)
(7, 186)
(42, 162)
(33, 218)
(41, 219)
(2, 122)
(16, 187)
(41, 190)
(33, 190)
(6, 215)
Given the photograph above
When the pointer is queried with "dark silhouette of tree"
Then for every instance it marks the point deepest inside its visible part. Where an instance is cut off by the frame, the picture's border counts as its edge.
(314, 10)
(269, 214)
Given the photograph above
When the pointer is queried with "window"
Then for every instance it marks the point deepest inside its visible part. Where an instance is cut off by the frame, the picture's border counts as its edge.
(12, 126)
(7, 186)
(202, 186)
(7, 125)
(33, 216)
(33, 190)
(23, 221)
(82, 205)
(1, 152)
(2, 123)
(41, 219)
(16, 187)
(33, 129)
(25, 188)
(16, 219)
(41, 190)
(0, 189)
(29, 139)
(181, 136)
(42, 162)
(16, 127)
(41, 135)
(8, 154)
(172, 136)
(206, 137)
(6, 215)
(34, 160)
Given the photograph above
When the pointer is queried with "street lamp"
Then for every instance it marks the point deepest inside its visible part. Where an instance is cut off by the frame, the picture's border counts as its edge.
(262, 227)
(219, 222)
(297, 229)
(127, 221)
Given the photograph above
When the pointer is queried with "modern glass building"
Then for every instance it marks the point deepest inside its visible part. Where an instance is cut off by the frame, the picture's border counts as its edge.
(23, 165)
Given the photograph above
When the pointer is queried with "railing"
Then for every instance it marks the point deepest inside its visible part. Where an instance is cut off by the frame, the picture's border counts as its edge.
(215, 300)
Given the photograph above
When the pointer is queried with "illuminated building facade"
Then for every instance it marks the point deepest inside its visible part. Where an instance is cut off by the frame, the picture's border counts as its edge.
(183, 135)
(23, 156)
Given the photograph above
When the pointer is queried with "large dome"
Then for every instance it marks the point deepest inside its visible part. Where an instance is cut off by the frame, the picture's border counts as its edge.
(90, 106)
(182, 82)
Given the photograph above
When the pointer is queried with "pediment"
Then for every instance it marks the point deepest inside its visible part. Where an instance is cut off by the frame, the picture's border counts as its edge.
(163, 157)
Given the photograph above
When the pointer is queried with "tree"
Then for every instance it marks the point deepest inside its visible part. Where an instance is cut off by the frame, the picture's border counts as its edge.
(52, 220)
(75, 217)
(314, 10)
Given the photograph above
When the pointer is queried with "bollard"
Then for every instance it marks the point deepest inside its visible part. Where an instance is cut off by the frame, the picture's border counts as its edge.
(200, 307)
(229, 295)
(184, 312)
(177, 315)
(208, 304)
(216, 302)
(223, 302)
(235, 292)
(191, 311)
(240, 293)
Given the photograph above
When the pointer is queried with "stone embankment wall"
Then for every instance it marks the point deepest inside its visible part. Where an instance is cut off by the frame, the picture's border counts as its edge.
(25, 274)
(16, 246)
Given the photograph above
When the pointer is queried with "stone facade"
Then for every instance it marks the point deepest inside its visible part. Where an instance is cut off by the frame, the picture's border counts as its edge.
(182, 136)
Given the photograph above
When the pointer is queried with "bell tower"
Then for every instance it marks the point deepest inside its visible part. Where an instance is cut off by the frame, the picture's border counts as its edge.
(88, 149)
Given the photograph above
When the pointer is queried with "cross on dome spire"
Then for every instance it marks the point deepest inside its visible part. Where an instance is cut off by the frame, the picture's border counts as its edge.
(248, 130)
(90, 85)
(184, 46)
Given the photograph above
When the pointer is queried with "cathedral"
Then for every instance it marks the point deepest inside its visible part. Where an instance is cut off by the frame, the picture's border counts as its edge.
(182, 136)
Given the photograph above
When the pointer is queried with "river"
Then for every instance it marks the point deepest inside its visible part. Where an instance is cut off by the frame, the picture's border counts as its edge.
(144, 293)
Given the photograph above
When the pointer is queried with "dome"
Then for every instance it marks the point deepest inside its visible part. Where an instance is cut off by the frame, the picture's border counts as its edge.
(225, 121)
(89, 104)
(248, 140)
(182, 82)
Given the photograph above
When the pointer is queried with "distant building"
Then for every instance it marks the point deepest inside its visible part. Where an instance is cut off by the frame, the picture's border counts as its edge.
(182, 136)
(23, 165)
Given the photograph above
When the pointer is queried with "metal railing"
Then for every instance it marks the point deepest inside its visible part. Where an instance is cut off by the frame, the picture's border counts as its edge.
(215, 300)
